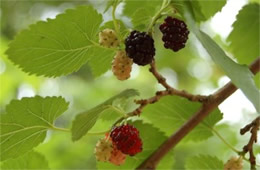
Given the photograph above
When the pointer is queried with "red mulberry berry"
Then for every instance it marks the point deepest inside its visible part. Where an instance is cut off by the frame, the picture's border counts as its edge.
(175, 33)
(140, 47)
(108, 38)
(103, 150)
(122, 65)
(126, 139)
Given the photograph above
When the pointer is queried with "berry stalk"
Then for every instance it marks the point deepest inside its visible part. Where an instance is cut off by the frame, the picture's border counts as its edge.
(165, 4)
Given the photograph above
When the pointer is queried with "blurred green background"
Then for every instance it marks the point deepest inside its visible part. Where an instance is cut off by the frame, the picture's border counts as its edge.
(190, 69)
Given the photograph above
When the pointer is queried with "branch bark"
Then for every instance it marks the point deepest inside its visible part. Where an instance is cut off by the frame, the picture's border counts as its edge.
(208, 106)
(253, 128)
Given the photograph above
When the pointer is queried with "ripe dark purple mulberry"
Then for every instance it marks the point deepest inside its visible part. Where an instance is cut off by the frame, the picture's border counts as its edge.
(126, 139)
(175, 33)
(140, 47)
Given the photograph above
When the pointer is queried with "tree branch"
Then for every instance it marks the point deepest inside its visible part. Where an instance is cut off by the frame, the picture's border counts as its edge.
(253, 128)
(172, 91)
(208, 106)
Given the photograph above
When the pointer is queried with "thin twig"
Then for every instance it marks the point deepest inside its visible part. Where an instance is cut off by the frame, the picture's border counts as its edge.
(208, 106)
(172, 91)
(253, 128)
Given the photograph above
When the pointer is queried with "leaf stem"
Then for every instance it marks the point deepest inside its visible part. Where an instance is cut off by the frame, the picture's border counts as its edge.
(223, 140)
(60, 129)
(114, 19)
(165, 4)
(97, 133)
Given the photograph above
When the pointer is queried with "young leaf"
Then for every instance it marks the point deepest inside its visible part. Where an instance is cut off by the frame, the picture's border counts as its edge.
(203, 10)
(60, 46)
(245, 35)
(172, 112)
(86, 120)
(204, 162)
(240, 75)
(151, 137)
(31, 160)
(25, 124)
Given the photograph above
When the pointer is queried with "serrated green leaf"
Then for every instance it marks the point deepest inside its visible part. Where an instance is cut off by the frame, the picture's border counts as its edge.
(195, 9)
(245, 35)
(86, 120)
(101, 60)
(25, 124)
(203, 10)
(211, 7)
(141, 19)
(151, 137)
(171, 112)
(31, 160)
(131, 6)
(204, 162)
(60, 46)
(240, 75)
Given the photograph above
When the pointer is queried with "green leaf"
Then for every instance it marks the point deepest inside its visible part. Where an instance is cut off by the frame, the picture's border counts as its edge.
(62, 45)
(171, 112)
(151, 138)
(254, 1)
(109, 4)
(131, 6)
(257, 80)
(204, 162)
(101, 60)
(141, 19)
(86, 120)
(25, 124)
(211, 7)
(203, 10)
(195, 9)
(31, 160)
(240, 75)
(245, 35)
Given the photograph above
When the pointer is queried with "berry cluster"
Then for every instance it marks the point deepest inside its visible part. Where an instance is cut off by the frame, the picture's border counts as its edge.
(234, 164)
(122, 65)
(140, 47)
(175, 33)
(108, 38)
(123, 140)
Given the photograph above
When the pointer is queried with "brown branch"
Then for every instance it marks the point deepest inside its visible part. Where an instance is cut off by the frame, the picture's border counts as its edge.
(253, 128)
(208, 106)
(172, 91)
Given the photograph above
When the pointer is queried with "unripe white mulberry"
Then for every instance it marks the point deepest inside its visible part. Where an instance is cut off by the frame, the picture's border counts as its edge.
(103, 150)
(117, 157)
(122, 65)
(234, 163)
(108, 38)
